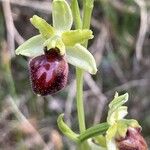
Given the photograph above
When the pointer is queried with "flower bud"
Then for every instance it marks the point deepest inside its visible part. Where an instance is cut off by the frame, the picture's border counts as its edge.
(48, 72)
(132, 141)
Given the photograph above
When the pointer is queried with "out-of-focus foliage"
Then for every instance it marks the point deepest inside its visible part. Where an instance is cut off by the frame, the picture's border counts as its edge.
(116, 26)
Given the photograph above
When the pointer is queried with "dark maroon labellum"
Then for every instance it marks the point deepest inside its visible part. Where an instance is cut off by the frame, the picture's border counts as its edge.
(48, 72)
(133, 140)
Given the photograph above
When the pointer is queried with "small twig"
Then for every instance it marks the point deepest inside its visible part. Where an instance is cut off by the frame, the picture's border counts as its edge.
(40, 6)
(114, 63)
(9, 26)
(128, 85)
(22, 118)
(122, 7)
(69, 102)
(99, 44)
(19, 39)
(101, 97)
(143, 28)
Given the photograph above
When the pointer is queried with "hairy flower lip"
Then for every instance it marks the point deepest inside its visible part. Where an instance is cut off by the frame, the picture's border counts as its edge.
(132, 141)
(48, 72)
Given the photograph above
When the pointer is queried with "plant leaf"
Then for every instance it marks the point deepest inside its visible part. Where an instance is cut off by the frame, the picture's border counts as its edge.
(72, 37)
(55, 42)
(44, 28)
(32, 47)
(80, 57)
(65, 129)
(94, 131)
(62, 15)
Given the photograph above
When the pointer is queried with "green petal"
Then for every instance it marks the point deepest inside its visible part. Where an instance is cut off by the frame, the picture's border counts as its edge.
(70, 38)
(80, 57)
(55, 42)
(32, 47)
(62, 15)
(44, 28)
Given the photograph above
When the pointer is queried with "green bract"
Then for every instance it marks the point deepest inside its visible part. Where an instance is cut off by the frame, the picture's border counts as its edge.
(60, 36)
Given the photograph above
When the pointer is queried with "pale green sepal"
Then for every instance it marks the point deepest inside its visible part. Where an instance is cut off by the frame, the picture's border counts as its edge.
(80, 57)
(101, 140)
(116, 110)
(131, 123)
(65, 129)
(44, 28)
(111, 145)
(72, 37)
(62, 15)
(110, 134)
(32, 47)
(122, 129)
(95, 146)
(119, 100)
(55, 42)
(120, 113)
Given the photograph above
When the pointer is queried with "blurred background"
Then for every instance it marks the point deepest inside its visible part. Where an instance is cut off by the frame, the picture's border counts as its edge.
(121, 48)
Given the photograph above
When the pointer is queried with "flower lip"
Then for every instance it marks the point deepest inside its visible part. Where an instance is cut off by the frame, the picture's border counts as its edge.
(48, 72)
(132, 141)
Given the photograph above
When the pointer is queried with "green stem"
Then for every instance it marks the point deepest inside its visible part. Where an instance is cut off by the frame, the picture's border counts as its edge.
(80, 103)
(87, 11)
(9, 79)
(79, 79)
(76, 14)
(79, 72)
